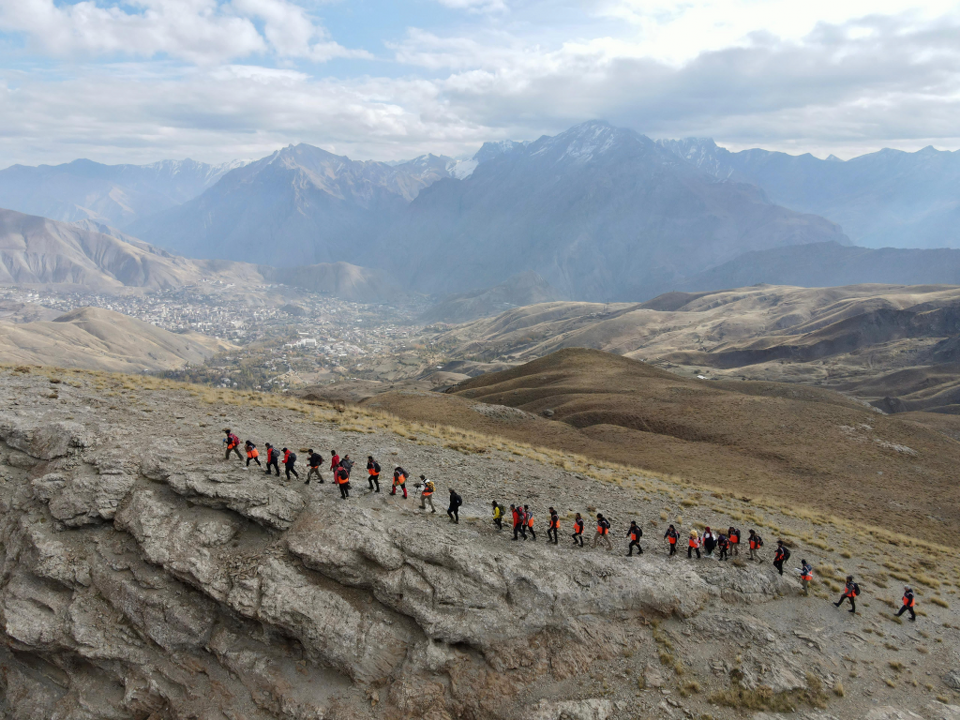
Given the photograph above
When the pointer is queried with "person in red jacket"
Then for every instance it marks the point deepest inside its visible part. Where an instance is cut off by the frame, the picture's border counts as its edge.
(518, 522)
(289, 463)
(273, 459)
(233, 444)
(334, 461)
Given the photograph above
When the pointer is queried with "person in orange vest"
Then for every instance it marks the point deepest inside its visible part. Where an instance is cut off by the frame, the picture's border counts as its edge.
(252, 453)
(672, 537)
(426, 495)
(603, 532)
(342, 478)
(399, 481)
(693, 545)
(290, 463)
(733, 535)
(806, 576)
(528, 520)
(519, 528)
(233, 443)
(756, 542)
(634, 532)
(314, 460)
(909, 603)
(373, 473)
(273, 459)
(578, 530)
(850, 593)
(781, 556)
(553, 527)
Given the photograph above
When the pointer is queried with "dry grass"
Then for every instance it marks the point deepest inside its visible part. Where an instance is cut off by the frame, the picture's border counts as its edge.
(764, 699)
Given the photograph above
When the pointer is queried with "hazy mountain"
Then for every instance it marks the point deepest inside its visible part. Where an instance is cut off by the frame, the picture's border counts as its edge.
(36, 250)
(112, 194)
(601, 213)
(97, 339)
(830, 265)
(301, 205)
(886, 198)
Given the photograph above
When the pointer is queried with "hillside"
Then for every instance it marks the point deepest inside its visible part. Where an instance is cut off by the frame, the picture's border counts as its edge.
(886, 198)
(847, 338)
(111, 194)
(146, 577)
(805, 447)
(97, 339)
(96, 257)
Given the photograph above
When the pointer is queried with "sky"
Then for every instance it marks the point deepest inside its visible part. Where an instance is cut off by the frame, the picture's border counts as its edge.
(215, 80)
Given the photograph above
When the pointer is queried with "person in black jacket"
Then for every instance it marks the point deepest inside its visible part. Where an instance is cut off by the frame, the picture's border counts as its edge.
(780, 556)
(850, 592)
(454, 510)
(909, 602)
(634, 532)
(314, 460)
(672, 537)
(273, 459)
(373, 473)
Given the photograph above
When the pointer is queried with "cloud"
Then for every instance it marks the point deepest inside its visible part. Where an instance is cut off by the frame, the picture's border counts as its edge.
(197, 31)
(475, 5)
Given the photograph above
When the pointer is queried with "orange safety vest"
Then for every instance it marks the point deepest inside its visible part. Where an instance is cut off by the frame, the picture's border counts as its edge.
(555, 523)
(753, 544)
(530, 521)
(734, 539)
(693, 542)
(808, 577)
(909, 601)
(578, 527)
(401, 479)
(602, 530)
(634, 536)
(672, 539)
(372, 471)
(427, 492)
(253, 453)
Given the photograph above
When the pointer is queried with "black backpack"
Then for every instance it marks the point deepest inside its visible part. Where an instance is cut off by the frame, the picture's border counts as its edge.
(786, 553)
(293, 457)
(376, 467)
(856, 589)
(759, 541)
(456, 500)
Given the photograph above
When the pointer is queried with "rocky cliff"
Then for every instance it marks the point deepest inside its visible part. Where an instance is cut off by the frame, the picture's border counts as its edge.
(143, 576)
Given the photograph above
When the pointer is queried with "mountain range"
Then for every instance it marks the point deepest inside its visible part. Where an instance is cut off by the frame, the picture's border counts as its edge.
(886, 198)
(598, 213)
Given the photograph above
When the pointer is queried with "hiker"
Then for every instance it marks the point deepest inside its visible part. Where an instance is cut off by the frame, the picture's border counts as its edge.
(806, 575)
(497, 515)
(693, 544)
(313, 462)
(553, 527)
(373, 473)
(341, 477)
(273, 458)
(334, 461)
(578, 530)
(232, 442)
(518, 525)
(723, 545)
(603, 532)
(734, 536)
(781, 556)
(399, 481)
(528, 520)
(709, 542)
(347, 464)
(635, 532)
(453, 512)
(850, 593)
(909, 602)
(672, 537)
(426, 495)
(289, 463)
(252, 453)
(756, 542)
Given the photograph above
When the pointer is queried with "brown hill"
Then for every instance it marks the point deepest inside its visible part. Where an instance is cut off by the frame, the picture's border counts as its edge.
(842, 337)
(800, 445)
(96, 339)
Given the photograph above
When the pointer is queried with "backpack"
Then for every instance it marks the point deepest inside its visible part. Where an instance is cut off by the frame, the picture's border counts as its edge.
(456, 500)
(376, 467)
(430, 486)
(786, 553)
(759, 541)
(293, 457)
(856, 590)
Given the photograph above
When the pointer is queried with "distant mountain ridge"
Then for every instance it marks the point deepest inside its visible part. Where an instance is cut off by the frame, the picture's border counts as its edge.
(112, 194)
(886, 198)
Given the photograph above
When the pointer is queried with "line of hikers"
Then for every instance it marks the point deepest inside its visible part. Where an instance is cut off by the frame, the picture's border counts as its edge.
(725, 544)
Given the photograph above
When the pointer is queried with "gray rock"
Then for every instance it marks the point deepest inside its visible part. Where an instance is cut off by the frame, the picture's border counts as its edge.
(952, 679)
